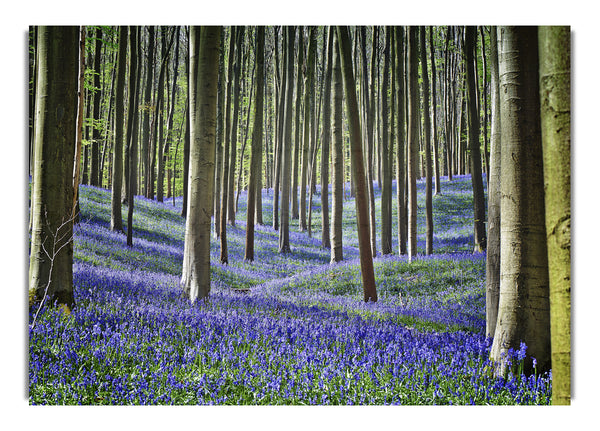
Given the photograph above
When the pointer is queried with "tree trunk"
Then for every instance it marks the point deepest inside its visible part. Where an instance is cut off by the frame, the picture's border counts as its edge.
(492, 271)
(145, 153)
(436, 156)
(233, 136)
(427, 145)
(326, 139)
(309, 98)
(476, 175)
(195, 279)
(51, 252)
(337, 160)
(116, 219)
(284, 228)
(80, 120)
(95, 174)
(132, 130)
(220, 137)
(413, 138)
(257, 136)
(555, 91)
(523, 309)
(386, 169)
(297, 126)
(366, 258)
(400, 136)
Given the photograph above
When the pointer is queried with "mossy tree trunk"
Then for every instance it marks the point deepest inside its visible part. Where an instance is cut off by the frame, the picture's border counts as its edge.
(555, 93)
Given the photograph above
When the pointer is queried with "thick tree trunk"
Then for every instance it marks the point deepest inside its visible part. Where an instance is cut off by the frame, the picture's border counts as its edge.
(524, 309)
(195, 279)
(51, 253)
(555, 92)
(366, 258)
(476, 175)
(492, 267)
(257, 136)
(116, 219)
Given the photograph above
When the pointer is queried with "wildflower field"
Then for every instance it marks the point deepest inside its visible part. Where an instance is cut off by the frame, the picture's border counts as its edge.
(284, 329)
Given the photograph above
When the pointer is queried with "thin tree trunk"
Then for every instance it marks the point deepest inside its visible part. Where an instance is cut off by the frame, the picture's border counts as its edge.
(95, 173)
(80, 102)
(400, 133)
(145, 153)
(436, 156)
(427, 145)
(337, 161)
(386, 192)
(413, 138)
(476, 175)
(297, 126)
(132, 130)
(116, 219)
(492, 271)
(284, 228)
(257, 136)
(326, 139)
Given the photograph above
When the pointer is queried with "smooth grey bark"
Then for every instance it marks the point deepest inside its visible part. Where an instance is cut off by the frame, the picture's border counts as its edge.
(401, 138)
(326, 141)
(492, 265)
(297, 126)
(386, 192)
(204, 50)
(434, 128)
(523, 309)
(132, 129)
(95, 158)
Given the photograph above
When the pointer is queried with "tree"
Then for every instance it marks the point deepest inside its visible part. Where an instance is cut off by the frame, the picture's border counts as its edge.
(309, 100)
(204, 59)
(436, 157)
(284, 227)
(297, 136)
(492, 265)
(400, 136)
(337, 159)
(257, 136)
(80, 119)
(386, 191)
(132, 117)
(95, 174)
(364, 241)
(326, 139)
(523, 308)
(145, 154)
(427, 145)
(476, 176)
(413, 138)
(51, 253)
(555, 91)
(116, 219)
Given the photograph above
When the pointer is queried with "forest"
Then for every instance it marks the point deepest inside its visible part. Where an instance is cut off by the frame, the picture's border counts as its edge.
(299, 215)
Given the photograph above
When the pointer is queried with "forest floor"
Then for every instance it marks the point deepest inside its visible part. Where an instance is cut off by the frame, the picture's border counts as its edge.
(284, 329)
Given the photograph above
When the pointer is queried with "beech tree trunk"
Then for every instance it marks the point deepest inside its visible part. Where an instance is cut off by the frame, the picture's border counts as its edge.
(132, 127)
(95, 159)
(400, 136)
(257, 136)
(51, 252)
(492, 266)
(284, 227)
(413, 138)
(364, 241)
(337, 160)
(427, 145)
(298, 138)
(326, 140)
(116, 219)
(204, 49)
(555, 93)
(476, 174)
(386, 168)
(523, 309)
